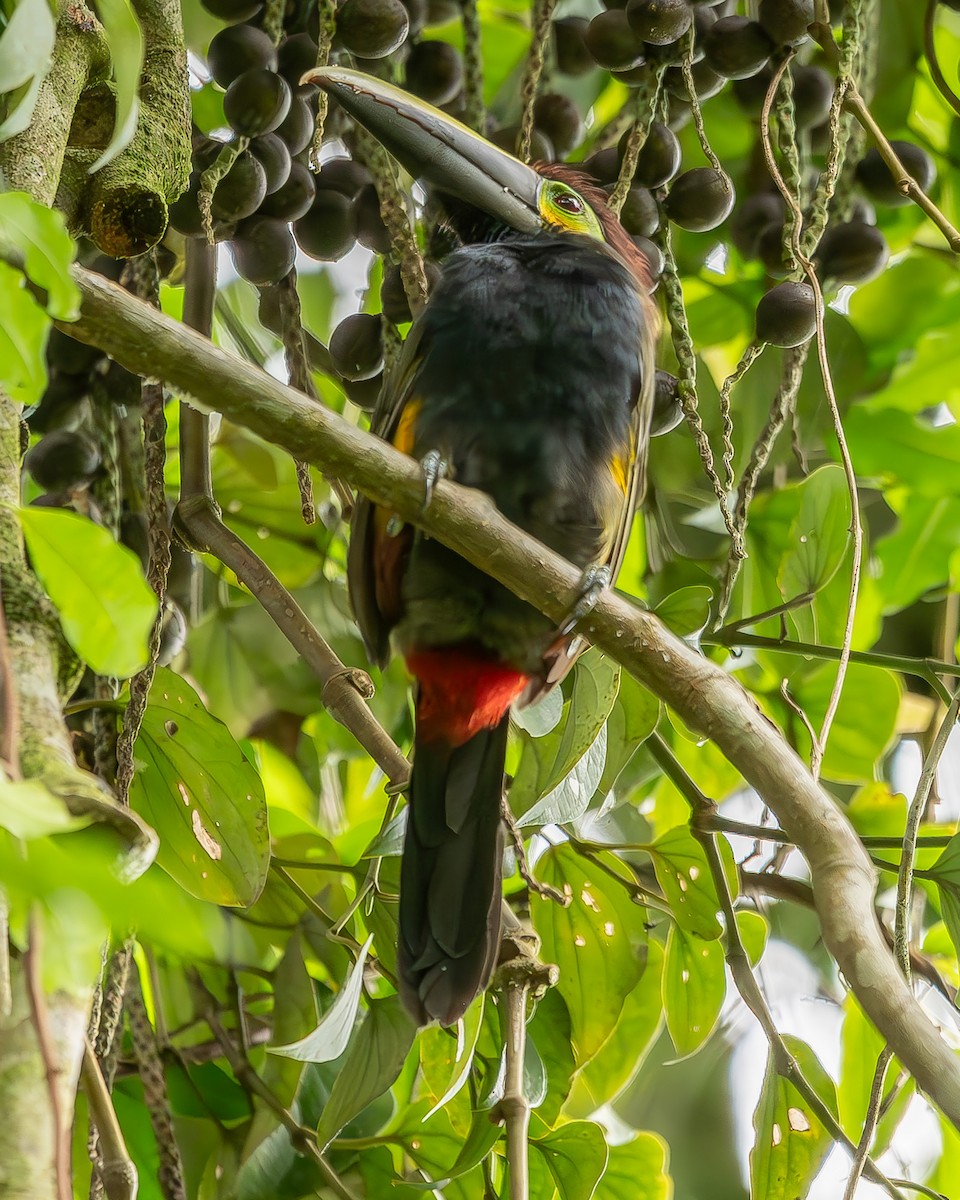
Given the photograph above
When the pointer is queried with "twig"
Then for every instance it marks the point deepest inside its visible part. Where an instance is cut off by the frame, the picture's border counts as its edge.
(327, 14)
(930, 50)
(118, 1172)
(819, 743)
(40, 1018)
(523, 866)
(914, 816)
(542, 11)
(739, 963)
(644, 105)
(472, 66)
(747, 359)
(298, 373)
(302, 1138)
(869, 1123)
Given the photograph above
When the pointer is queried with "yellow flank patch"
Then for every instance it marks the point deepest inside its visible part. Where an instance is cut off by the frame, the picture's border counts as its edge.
(618, 469)
(404, 436)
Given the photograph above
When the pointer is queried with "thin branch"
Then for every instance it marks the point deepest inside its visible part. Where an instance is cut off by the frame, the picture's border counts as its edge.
(40, 1017)
(856, 530)
(930, 51)
(869, 1123)
(914, 817)
(117, 1171)
(542, 11)
(702, 806)
(706, 697)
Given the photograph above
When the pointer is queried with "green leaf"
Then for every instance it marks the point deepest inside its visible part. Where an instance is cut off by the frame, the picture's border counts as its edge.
(445, 1059)
(916, 556)
(23, 339)
(28, 809)
(26, 52)
(372, 1062)
(899, 450)
(106, 607)
(40, 235)
(546, 763)
(549, 1031)
(694, 985)
(860, 1047)
(855, 746)
(540, 718)
(126, 53)
(684, 875)
(632, 719)
(202, 796)
(637, 1170)
(819, 533)
(598, 942)
(791, 1145)
(687, 610)
(754, 931)
(576, 1155)
(617, 1061)
(329, 1040)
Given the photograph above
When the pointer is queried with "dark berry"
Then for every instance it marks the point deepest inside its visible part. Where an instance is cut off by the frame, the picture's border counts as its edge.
(70, 356)
(611, 41)
(655, 260)
(706, 81)
(777, 260)
(371, 231)
(293, 199)
(237, 49)
(344, 175)
(787, 315)
(752, 217)
(256, 102)
(667, 409)
(541, 148)
(434, 72)
(233, 10)
(786, 21)
(240, 193)
(328, 230)
(297, 126)
(295, 55)
(603, 165)
(852, 252)
(372, 28)
(59, 403)
(356, 346)
(441, 12)
(272, 154)
(700, 199)
(263, 250)
(876, 179)
(659, 158)
(364, 393)
(62, 459)
(640, 215)
(570, 47)
(736, 47)
(559, 118)
(659, 21)
(393, 296)
(812, 95)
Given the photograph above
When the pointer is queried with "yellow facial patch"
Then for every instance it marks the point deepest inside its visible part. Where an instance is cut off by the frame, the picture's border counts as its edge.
(564, 208)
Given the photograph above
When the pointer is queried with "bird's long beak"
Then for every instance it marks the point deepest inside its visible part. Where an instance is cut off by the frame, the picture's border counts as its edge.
(437, 148)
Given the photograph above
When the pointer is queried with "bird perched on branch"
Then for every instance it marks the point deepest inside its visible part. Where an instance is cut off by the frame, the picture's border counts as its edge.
(528, 375)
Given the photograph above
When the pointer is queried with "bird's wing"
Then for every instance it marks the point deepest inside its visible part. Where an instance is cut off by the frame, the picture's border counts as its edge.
(375, 558)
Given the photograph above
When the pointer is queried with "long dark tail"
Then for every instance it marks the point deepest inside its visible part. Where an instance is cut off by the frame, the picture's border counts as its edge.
(450, 878)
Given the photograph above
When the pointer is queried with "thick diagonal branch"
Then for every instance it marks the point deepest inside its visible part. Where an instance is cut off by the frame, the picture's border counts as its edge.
(707, 699)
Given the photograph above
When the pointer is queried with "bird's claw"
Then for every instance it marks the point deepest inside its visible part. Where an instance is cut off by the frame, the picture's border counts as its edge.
(593, 582)
(434, 467)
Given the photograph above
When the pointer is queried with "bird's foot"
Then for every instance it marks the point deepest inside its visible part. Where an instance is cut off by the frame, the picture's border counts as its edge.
(593, 583)
(434, 467)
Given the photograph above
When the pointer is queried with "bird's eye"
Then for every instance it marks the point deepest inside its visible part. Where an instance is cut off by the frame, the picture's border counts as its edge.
(569, 202)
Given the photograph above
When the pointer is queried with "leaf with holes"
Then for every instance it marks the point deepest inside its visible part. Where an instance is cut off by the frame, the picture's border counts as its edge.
(203, 797)
(791, 1144)
(684, 875)
(598, 941)
(694, 985)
